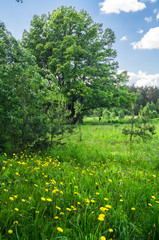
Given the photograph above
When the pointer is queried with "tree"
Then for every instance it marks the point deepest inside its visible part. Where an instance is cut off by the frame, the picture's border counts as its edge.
(23, 93)
(79, 54)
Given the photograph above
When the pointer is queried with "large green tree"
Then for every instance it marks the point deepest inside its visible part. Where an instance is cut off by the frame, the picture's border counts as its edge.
(79, 53)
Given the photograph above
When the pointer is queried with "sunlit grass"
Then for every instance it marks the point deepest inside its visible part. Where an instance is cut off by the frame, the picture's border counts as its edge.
(99, 187)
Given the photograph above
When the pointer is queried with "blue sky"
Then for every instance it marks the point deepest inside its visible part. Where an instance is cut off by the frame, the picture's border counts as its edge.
(135, 23)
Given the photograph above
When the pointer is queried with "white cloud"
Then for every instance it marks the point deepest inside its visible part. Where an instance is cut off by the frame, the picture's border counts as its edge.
(117, 6)
(153, 1)
(155, 10)
(124, 38)
(148, 19)
(157, 16)
(149, 41)
(143, 79)
(140, 31)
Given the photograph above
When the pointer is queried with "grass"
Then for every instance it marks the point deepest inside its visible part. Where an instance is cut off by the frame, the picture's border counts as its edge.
(98, 188)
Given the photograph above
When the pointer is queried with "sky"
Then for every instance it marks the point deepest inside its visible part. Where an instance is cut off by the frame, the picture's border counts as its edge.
(134, 22)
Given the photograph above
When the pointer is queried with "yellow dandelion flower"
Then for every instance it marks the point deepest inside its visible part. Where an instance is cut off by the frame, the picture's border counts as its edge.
(58, 208)
(154, 225)
(11, 198)
(101, 217)
(16, 209)
(86, 200)
(106, 199)
(102, 238)
(59, 229)
(107, 206)
(110, 230)
(37, 212)
(10, 231)
(43, 199)
(23, 200)
(56, 217)
(78, 203)
(121, 200)
(153, 197)
(68, 209)
(61, 213)
(49, 199)
(157, 201)
(133, 209)
(93, 201)
(110, 180)
(150, 204)
(15, 222)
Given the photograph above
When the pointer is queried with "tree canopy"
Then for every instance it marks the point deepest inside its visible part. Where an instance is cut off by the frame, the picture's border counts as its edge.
(79, 53)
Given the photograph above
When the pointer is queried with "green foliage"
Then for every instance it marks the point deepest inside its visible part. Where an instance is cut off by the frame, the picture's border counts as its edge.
(79, 54)
(140, 126)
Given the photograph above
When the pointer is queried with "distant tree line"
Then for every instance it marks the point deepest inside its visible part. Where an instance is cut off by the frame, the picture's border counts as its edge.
(146, 97)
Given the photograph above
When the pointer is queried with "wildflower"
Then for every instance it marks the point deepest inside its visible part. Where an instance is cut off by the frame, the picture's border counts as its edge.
(49, 199)
(154, 225)
(110, 180)
(107, 206)
(56, 217)
(86, 200)
(15, 222)
(35, 185)
(59, 229)
(23, 200)
(106, 199)
(46, 190)
(10, 231)
(68, 209)
(133, 209)
(58, 208)
(153, 197)
(121, 200)
(102, 238)
(157, 201)
(37, 212)
(11, 198)
(101, 217)
(93, 201)
(150, 204)
(16, 209)
(97, 193)
(78, 203)
(110, 230)
(42, 198)
(61, 213)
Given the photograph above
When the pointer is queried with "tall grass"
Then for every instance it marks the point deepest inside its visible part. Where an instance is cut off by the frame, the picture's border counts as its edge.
(97, 188)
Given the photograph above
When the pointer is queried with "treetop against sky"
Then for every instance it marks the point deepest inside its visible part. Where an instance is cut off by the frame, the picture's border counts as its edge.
(135, 24)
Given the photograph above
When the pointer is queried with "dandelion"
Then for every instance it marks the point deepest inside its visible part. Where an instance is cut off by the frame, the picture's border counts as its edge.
(110, 230)
(102, 238)
(56, 217)
(110, 180)
(10, 231)
(11, 198)
(133, 209)
(68, 209)
(35, 185)
(92, 201)
(37, 212)
(15, 222)
(16, 209)
(59, 229)
(107, 206)
(106, 199)
(97, 193)
(58, 208)
(121, 200)
(150, 204)
(43, 199)
(23, 200)
(49, 199)
(101, 217)
(153, 197)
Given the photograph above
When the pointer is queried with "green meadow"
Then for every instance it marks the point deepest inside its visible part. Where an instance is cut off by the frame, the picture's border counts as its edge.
(94, 186)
